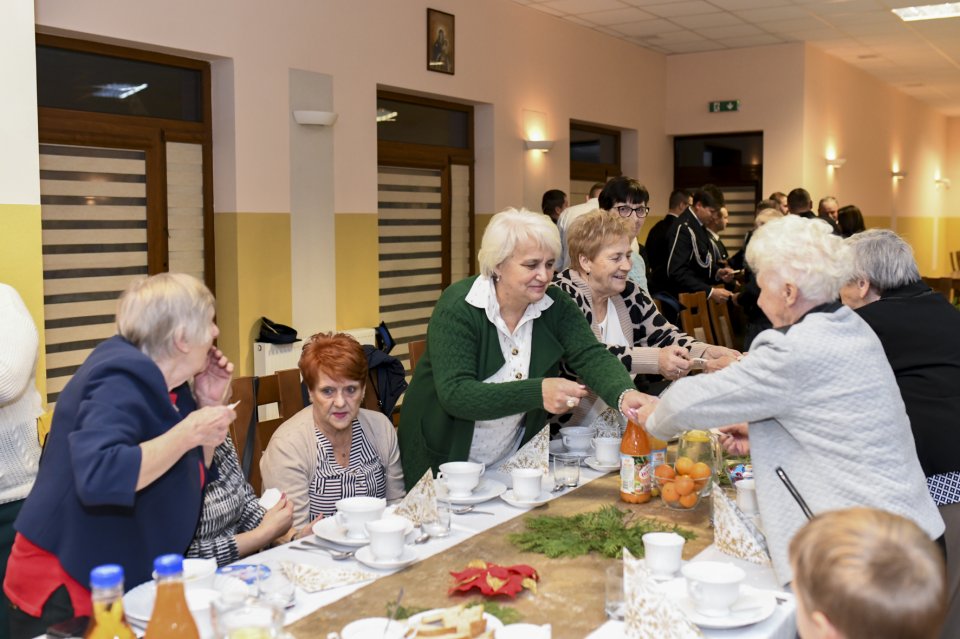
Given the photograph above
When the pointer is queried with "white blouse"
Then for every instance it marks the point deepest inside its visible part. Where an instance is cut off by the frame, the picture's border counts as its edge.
(496, 439)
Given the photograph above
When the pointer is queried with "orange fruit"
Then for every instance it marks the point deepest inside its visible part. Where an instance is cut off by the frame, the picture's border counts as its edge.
(700, 471)
(669, 493)
(664, 471)
(684, 485)
(698, 484)
(689, 501)
(684, 465)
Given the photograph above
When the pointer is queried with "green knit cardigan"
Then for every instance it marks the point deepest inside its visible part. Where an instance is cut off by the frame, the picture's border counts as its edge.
(447, 393)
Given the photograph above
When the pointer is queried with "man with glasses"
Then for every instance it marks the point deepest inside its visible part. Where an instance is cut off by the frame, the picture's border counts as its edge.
(692, 265)
(628, 198)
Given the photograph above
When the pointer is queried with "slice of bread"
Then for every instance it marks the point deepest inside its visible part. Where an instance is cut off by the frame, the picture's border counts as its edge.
(457, 622)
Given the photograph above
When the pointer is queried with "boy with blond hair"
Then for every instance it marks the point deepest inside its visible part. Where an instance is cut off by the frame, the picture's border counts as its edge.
(866, 573)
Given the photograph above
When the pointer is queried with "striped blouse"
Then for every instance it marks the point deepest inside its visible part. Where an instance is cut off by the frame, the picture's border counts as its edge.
(229, 507)
(364, 475)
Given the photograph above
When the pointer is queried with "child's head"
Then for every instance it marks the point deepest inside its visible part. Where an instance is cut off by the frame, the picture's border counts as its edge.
(867, 573)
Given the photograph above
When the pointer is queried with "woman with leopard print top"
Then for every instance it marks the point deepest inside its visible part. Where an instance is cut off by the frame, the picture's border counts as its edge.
(620, 313)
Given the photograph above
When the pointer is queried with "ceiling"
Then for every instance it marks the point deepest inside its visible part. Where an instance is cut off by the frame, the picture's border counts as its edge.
(922, 59)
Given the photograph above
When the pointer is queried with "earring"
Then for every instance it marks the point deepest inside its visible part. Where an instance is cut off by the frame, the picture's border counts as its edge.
(495, 278)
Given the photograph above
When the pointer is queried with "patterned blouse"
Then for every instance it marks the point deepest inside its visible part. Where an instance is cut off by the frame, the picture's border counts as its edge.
(364, 476)
(229, 507)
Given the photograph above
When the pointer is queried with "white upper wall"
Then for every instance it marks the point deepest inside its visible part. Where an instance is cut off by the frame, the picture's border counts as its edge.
(19, 152)
(507, 56)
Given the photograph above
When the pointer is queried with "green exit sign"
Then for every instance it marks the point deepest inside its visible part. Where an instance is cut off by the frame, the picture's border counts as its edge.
(724, 105)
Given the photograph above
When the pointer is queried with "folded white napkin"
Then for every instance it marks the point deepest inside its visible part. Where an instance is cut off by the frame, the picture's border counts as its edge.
(734, 532)
(534, 454)
(313, 578)
(649, 613)
(420, 504)
(270, 498)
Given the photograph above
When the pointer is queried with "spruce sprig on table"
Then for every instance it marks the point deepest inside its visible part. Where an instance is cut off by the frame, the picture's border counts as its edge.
(606, 531)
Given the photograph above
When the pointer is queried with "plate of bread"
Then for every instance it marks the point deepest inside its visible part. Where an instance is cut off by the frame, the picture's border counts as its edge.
(456, 622)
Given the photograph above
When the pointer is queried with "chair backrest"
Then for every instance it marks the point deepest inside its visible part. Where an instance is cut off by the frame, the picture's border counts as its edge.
(694, 318)
(281, 388)
(942, 285)
(953, 260)
(416, 349)
(720, 320)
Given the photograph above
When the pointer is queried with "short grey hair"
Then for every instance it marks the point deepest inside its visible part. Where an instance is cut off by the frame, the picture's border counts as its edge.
(803, 252)
(154, 310)
(507, 229)
(883, 258)
(766, 215)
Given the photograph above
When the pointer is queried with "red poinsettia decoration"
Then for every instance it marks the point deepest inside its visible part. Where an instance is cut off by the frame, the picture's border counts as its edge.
(492, 579)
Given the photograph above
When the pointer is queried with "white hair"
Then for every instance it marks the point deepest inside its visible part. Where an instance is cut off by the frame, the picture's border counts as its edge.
(507, 229)
(154, 310)
(883, 258)
(804, 252)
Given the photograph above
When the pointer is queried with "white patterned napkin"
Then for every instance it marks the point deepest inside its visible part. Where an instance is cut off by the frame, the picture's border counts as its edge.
(649, 613)
(313, 578)
(420, 504)
(534, 454)
(734, 533)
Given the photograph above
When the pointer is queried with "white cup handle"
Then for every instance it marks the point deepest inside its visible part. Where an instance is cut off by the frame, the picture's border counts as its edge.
(339, 518)
(483, 469)
(441, 476)
(565, 444)
(696, 590)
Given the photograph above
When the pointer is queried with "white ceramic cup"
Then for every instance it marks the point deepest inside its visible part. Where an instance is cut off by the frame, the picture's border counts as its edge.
(713, 586)
(607, 449)
(386, 537)
(747, 496)
(662, 552)
(354, 512)
(461, 477)
(576, 439)
(526, 483)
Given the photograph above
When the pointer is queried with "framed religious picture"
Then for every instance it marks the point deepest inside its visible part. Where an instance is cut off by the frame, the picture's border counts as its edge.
(440, 41)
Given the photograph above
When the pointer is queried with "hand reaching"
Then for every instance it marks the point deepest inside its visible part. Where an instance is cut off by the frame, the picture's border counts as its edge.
(637, 406)
(673, 362)
(735, 438)
(561, 395)
(719, 357)
(212, 384)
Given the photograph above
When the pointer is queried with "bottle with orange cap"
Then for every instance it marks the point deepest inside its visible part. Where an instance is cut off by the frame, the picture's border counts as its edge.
(635, 471)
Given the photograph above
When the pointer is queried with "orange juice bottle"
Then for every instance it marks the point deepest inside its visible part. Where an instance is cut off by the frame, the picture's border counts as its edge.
(635, 472)
(171, 618)
(106, 589)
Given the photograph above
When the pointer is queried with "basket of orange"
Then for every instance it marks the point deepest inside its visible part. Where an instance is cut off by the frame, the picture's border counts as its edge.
(683, 483)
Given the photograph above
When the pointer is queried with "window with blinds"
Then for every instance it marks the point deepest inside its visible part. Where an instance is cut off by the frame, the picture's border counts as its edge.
(94, 220)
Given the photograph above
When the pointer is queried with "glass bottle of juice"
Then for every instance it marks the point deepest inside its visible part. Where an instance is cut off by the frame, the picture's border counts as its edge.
(635, 473)
(171, 618)
(106, 589)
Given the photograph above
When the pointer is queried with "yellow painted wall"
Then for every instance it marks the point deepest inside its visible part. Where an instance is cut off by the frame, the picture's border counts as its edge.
(253, 279)
(21, 266)
(358, 280)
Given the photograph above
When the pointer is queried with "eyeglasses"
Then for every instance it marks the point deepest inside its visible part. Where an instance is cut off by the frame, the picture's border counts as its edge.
(626, 210)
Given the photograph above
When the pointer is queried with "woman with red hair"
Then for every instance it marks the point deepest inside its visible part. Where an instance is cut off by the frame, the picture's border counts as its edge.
(333, 448)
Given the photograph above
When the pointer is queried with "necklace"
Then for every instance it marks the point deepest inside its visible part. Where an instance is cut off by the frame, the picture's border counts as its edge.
(340, 446)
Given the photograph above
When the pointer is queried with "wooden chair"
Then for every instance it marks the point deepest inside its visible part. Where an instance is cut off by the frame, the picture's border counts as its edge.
(416, 349)
(281, 388)
(694, 318)
(720, 320)
(942, 285)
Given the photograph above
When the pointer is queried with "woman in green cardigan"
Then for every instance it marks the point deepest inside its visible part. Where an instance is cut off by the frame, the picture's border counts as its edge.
(490, 374)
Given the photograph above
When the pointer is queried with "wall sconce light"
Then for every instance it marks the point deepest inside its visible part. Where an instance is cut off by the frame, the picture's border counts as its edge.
(835, 163)
(944, 182)
(318, 118)
(538, 145)
(898, 175)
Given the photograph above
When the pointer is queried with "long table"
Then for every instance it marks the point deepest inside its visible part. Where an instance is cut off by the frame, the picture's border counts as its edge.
(571, 591)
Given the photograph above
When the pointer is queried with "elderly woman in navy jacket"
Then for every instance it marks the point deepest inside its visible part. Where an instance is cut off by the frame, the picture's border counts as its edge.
(122, 477)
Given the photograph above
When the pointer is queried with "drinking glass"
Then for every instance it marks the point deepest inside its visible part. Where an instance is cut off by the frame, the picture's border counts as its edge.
(699, 446)
(566, 470)
(248, 618)
(614, 601)
(439, 527)
(274, 587)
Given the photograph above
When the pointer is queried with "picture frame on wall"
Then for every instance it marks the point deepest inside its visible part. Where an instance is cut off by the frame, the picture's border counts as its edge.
(440, 41)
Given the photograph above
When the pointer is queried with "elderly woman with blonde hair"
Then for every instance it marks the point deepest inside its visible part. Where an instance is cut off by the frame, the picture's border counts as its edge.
(490, 373)
(817, 392)
(620, 313)
(122, 476)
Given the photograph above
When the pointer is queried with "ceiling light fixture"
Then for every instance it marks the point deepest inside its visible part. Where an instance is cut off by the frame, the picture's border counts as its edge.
(538, 145)
(835, 163)
(929, 12)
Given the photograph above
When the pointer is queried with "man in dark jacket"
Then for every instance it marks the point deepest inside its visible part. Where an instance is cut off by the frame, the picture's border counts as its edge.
(691, 266)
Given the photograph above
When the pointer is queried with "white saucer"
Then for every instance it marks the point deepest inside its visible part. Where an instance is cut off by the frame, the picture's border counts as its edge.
(753, 606)
(603, 468)
(557, 447)
(487, 489)
(493, 624)
(328, 529)
(365, 556)
(664, 578)
(539, 500)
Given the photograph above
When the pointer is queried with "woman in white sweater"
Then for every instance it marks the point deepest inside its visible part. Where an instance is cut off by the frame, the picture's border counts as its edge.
(817, 391)
(19, 408)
